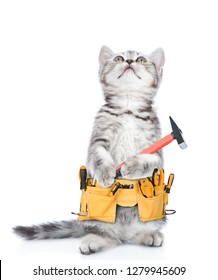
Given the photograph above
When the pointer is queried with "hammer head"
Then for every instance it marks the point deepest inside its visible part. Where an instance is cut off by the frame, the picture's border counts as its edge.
(177, 134)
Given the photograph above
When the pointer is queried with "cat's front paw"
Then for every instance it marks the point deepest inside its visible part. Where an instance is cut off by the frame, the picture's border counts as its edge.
(155, 239)
(105, 175)
(132, 168)
(141, 165)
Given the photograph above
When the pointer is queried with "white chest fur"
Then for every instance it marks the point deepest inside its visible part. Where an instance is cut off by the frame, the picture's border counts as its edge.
(133, 136)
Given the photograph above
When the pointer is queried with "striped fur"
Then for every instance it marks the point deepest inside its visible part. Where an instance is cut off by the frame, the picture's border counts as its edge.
(126, 124)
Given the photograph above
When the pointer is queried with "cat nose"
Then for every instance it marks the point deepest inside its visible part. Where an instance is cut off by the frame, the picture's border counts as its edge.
(129, 61)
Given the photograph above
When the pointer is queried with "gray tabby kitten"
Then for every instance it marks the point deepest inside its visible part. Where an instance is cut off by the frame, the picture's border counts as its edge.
(123, 127)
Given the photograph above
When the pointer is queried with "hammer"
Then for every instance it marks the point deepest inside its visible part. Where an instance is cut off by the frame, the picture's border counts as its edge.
(175, 134)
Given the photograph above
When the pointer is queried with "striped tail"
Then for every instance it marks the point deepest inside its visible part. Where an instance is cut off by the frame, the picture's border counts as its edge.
(53, 230)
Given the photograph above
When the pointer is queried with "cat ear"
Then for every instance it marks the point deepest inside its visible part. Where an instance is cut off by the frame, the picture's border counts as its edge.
(105, 54)
(158, 57)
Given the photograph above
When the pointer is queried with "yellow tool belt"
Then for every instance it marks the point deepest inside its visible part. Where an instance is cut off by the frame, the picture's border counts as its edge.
(150, 194)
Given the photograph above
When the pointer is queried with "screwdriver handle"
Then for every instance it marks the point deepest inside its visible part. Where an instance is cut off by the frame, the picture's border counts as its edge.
(169, 183)
(83, 177)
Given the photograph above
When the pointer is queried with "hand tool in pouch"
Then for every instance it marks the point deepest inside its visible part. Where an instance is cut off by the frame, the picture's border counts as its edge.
(169, 183)
(161, 178)
(83, 177)
(155, 180)
(83, 182)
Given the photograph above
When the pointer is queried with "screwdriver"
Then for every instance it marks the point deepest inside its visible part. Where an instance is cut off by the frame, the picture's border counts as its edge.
(155, 180)
(169, 183)
(82, 177)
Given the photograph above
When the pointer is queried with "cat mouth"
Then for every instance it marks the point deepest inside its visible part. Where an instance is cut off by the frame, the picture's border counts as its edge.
(128, 69)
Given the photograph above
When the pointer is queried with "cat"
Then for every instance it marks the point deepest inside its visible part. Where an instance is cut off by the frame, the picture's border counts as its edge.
(125, 125)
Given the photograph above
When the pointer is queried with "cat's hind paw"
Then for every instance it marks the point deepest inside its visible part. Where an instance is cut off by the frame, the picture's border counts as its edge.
(154, 239)
(93, 243)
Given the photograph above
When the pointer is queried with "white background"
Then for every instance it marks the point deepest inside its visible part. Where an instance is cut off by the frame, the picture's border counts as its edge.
(49, 95)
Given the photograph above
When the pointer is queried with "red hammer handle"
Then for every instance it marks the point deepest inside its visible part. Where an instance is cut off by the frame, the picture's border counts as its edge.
(158, 145)
(155, 147)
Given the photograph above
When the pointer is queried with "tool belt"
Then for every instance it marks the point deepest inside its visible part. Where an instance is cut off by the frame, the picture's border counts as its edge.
(150, 194)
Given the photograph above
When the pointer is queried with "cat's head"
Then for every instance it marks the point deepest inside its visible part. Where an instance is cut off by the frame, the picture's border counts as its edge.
(131, 69)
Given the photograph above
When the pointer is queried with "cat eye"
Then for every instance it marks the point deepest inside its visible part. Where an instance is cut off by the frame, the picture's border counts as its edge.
(141, 59)
(119, 59)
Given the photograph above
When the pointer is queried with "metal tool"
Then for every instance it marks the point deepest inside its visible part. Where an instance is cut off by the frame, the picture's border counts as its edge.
(175, 134)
